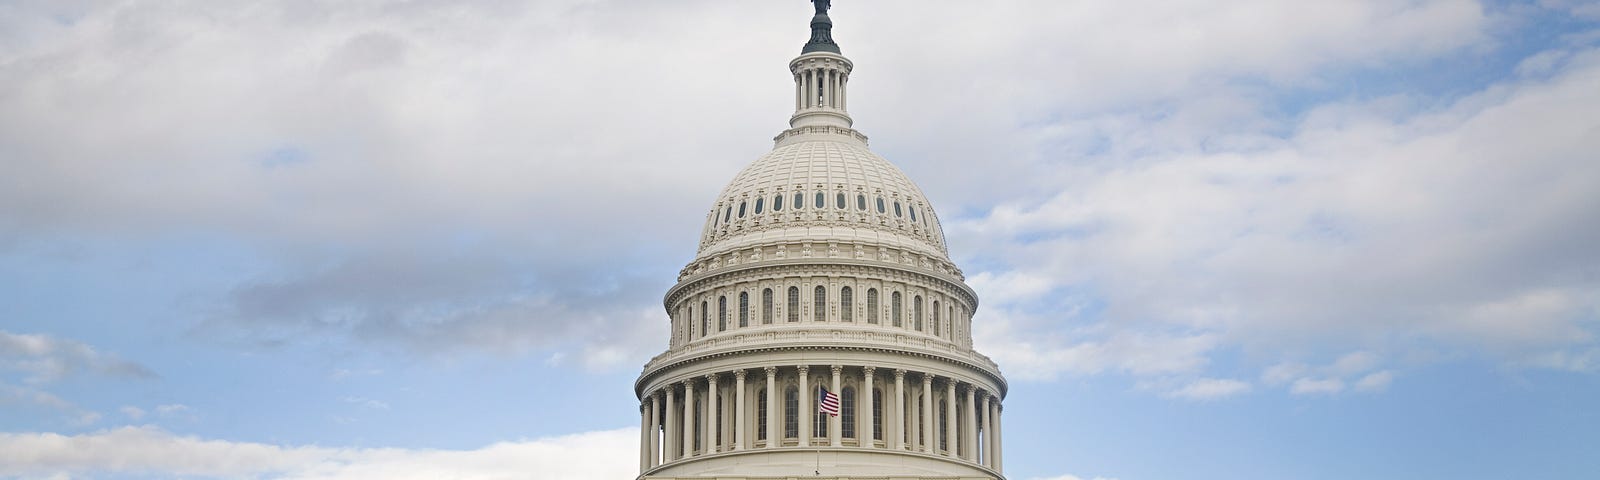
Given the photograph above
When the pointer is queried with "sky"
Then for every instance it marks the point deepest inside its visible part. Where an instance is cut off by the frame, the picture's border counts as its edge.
(1222, 239)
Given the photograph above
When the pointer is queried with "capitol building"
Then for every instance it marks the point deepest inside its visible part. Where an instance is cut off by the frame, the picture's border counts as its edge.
(822, 275)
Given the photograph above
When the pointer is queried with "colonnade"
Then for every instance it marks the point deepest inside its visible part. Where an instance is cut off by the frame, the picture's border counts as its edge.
(914, 412)
(820, 87)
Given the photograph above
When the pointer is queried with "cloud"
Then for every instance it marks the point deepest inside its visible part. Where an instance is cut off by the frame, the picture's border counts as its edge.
(132, 412)
(153, 451)
(1210, 389)
(1312, 386)
(1376, 381)
(43, 359)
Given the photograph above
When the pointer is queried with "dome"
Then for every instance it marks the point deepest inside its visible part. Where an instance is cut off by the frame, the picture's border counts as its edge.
(822, 185)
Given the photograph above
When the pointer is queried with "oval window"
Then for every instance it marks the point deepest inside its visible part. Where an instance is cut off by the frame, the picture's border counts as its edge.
(913, 214)
(777, 203)
(799, 200)
(728, 216)
(861, 202)
(759, 204)
(880, 205)
(821, 200)
(741, 210)
(897, 209)
(838, 201)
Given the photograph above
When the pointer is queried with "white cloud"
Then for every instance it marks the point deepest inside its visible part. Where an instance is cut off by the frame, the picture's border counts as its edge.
(153, 451)
(43, 358)
(1210, 389)
(1375, 382)
(1312, 386)
(132, 412)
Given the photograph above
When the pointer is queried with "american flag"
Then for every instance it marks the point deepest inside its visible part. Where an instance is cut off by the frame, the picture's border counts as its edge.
(829, 403)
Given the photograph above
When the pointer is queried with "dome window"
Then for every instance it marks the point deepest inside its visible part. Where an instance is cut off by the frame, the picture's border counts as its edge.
(760, 202)
(799, 200)
(729, 215)
(777, 203)
(741, 211)
(897, 211)
(822, 200)
(913, 214)
(838, 201)
(861, 202)
(880, 205)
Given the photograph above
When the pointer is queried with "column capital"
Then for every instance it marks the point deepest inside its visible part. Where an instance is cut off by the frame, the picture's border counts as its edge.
(899, 373)
(659, 393)
(711, 377)
(927, 379)
(739, 374)
(688, 384)
(868, 370)
(770, 371)
(963, 387)
(803, 369)
(836, 369)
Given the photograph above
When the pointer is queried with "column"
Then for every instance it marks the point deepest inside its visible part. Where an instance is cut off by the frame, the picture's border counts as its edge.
(950, 438)
(999, 433)
(774, 427)
(655, 429)
(644, 435)
(864, 432)
(712, 427)
(805, 407)
(988, 435)
(688, 418)
(928, 433)
(899, 409)
(969, 438)
(835, 423)
(738, 410)
(671, 432)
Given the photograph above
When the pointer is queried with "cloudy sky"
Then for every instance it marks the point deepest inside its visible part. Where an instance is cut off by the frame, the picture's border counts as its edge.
(1214, 239)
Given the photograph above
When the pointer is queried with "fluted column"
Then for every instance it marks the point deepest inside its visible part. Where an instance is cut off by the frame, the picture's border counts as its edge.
(804, 414)
(899, 409)
(669, 434)
(644, 435)
(738, 410)
(950, 438)
(864, 432)
(688, 418)
(835, 422)
(655, 429)
(999, 435)
(927, 414)
(988, 434)
(774, 430)
(709, 435)
(969, 437)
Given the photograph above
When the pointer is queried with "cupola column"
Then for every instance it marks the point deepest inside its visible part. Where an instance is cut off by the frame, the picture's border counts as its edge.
(835, 422)
(928, 432)
(969, 438)
(899, 410)
(774, 429)
(950, 418)
(712, 427)
(688, 418)
(738, 410)
(865, 431)
(805, 406)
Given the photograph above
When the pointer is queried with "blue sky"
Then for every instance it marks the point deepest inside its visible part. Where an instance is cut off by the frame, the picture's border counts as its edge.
(1213, 239)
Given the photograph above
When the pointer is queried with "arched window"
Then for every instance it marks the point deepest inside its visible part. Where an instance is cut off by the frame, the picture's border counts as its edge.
(838, 201)
(894, 308)
(877, 414)
(728, 215)
(819, 419)
(698, 421)
(916, 312)
(913, 213)
(861, 202)
(761, 414)
(897, 208)
(741, 209)
(777, 203)
(766, 306)
(951, 309)
(705, 318)
(722, 313)
(936, 318)
(872, 306)
(880, 205)
(791, 413)
(794, 304)
(760, 202)
(744, 309)
(847, 412)
(799, 200)
(944, 424)
(847, 305)
(819, 299)
(821, 200)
